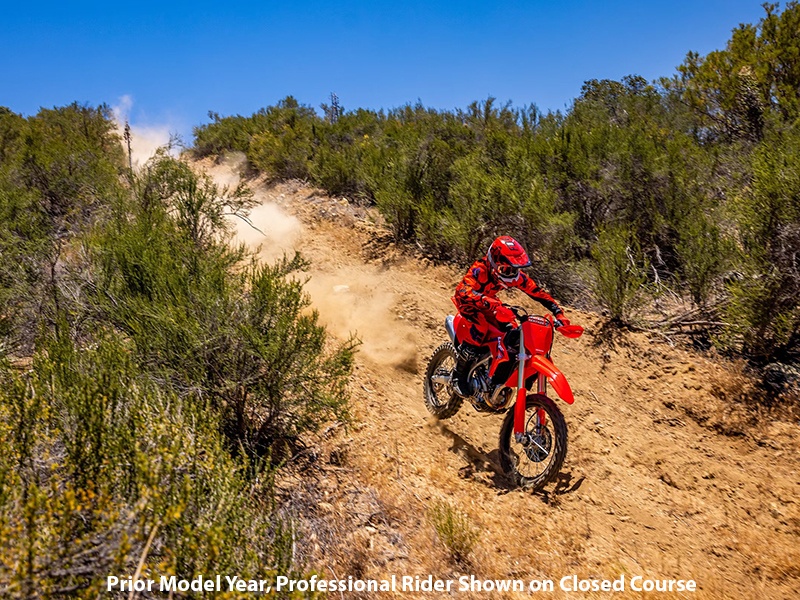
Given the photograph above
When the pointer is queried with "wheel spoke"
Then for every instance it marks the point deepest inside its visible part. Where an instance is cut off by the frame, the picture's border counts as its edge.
(539, 446)
(538, 455)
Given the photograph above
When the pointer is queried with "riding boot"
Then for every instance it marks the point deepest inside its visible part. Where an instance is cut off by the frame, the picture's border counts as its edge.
(466, 355)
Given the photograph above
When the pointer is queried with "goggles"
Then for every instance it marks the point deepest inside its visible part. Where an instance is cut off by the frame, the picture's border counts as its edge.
(507, 271)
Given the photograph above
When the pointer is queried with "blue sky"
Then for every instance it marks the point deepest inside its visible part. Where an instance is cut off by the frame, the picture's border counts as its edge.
(167, 64)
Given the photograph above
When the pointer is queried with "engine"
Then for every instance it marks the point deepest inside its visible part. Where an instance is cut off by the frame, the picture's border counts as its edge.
(480, 382)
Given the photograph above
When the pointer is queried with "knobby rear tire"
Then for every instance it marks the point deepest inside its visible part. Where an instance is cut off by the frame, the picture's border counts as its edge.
(440, 399)
(515, 462)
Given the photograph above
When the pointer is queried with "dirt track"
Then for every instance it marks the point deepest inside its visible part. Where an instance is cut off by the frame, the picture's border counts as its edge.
(661, 478)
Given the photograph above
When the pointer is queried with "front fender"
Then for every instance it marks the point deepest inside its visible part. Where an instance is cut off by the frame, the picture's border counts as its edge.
(542, 365)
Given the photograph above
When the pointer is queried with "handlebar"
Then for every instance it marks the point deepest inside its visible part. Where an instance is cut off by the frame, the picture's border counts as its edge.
(570, 331)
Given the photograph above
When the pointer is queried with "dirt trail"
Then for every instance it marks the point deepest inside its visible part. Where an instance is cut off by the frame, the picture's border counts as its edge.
(651, 485)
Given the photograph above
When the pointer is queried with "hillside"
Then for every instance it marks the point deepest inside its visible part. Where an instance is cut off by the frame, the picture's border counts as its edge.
(662, 479)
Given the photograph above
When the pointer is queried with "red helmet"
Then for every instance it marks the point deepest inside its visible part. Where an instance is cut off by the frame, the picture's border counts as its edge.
(506, 257)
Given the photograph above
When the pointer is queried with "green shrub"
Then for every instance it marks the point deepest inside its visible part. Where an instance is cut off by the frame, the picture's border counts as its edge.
(399, 208)
(764, 312)
(620, 272)
(98, 458)
(225, 135)
(704, 255)
(59, 170)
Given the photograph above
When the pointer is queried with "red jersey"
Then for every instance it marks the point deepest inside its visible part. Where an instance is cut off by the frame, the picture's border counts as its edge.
(477, 293)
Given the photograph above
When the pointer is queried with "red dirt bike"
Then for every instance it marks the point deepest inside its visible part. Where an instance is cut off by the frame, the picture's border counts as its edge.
(533, 438)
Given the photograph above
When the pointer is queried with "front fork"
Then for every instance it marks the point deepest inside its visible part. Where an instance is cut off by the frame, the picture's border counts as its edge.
(519, 407)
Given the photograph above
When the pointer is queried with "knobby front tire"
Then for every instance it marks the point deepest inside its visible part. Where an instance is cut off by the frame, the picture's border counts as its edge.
(440, 398)
(537, 463)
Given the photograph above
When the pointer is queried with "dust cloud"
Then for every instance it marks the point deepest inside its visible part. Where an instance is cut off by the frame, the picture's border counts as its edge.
(271, 229)
(349, 299)
(356, 300)
(145, 139)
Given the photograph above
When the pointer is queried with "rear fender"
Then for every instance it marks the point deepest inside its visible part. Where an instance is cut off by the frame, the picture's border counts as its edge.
(449, 325)
(465, 331)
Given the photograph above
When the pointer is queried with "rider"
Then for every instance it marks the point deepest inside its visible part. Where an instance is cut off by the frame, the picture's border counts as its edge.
(475, 298)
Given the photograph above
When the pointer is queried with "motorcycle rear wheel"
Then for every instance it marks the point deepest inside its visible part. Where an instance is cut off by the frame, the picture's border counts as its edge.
(536, 461)
(440, 397)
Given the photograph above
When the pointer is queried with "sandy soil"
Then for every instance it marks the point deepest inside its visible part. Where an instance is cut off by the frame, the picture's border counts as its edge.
(662, 479)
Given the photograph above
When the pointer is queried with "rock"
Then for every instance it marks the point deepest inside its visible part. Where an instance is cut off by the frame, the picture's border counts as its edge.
(667, 479)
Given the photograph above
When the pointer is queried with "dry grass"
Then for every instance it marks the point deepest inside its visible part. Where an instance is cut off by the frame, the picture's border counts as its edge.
(455, 530)
(743, 407)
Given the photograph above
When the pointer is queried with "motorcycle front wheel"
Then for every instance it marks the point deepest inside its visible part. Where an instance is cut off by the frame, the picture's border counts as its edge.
(536, 459)
(440, 397)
